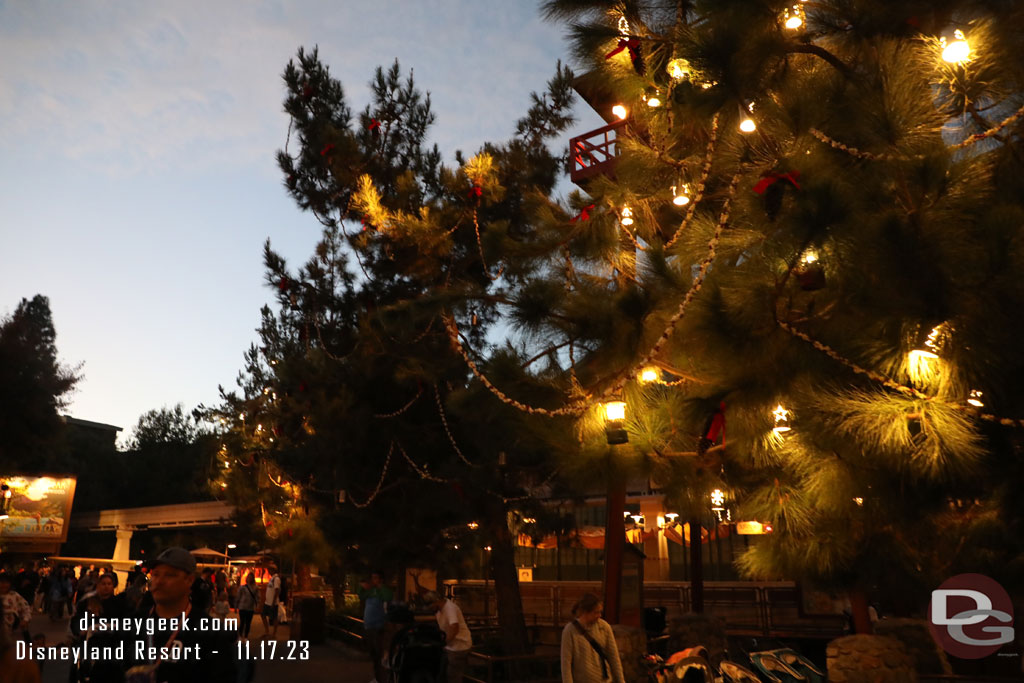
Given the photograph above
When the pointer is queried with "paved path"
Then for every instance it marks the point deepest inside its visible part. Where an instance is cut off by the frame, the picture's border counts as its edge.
(331, 663)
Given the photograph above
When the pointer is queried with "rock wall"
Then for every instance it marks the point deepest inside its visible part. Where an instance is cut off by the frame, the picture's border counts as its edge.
(869, 659)
(915, 635)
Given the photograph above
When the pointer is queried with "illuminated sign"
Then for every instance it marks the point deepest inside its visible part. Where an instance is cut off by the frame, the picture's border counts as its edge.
(38, 508)
(752, 528)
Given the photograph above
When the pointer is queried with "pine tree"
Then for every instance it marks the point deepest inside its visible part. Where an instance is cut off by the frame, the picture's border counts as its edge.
(355, 423)
(34, 388)
(841, 276)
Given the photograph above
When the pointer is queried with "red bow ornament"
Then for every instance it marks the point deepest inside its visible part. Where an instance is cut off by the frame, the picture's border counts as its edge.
(583, 215)
(772, 178)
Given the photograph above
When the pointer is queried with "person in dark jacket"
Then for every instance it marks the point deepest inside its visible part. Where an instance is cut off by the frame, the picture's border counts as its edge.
(99, 604)
(177, 654)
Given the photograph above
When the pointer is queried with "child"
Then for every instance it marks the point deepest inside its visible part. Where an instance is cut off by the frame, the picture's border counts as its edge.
(222, 607)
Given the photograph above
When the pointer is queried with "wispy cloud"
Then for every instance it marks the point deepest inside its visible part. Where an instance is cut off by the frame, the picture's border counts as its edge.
(125, 85)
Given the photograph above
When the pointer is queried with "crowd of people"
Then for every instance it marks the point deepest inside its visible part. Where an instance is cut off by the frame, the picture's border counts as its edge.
(169, 587)
(164, 590)
(589, 653)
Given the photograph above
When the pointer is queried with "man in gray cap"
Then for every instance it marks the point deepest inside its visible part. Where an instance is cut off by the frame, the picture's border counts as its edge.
(187, 650)
(170, 582)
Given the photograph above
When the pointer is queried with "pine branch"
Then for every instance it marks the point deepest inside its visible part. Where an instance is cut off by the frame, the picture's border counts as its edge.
(818, 51)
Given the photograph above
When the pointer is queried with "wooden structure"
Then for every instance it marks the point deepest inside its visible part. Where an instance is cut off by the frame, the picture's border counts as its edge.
(594, 153)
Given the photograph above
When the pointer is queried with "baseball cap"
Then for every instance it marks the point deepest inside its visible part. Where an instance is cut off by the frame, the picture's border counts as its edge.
(179, 558)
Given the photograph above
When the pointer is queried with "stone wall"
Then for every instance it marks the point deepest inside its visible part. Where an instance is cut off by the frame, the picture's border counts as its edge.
(915, 635)
(869, 659)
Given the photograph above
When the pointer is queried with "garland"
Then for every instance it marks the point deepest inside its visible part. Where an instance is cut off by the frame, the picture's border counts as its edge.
(705, 174)
(860, 154)
(892, 384)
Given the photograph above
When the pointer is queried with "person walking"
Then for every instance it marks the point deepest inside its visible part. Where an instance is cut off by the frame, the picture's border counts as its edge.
(61, 591)
(589, 651)
(100, 604)
(375, 596)
(270, 599)
(248, 597)
(458, 640)
(15, 612)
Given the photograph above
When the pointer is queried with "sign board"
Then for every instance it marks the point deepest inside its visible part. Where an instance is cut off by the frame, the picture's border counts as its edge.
(525, 574)
(752, 528)
(38, 510)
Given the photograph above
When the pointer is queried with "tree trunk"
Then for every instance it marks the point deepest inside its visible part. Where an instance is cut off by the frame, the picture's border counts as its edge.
(614, 547)
(859, 607)
(696, 567)
(511, 622)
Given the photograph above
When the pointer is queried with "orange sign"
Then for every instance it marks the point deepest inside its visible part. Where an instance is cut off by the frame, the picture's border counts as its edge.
(38, 509)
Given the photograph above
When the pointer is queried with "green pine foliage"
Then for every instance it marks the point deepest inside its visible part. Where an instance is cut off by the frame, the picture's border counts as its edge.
(873, 487)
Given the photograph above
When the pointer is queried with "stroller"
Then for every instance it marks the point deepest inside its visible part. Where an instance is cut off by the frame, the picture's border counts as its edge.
(416, 655)
(691, 665)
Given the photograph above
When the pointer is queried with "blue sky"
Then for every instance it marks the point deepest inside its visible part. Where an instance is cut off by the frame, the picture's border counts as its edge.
(137, 174)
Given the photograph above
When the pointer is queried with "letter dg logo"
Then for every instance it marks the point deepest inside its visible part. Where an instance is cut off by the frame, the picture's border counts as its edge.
(965, 614)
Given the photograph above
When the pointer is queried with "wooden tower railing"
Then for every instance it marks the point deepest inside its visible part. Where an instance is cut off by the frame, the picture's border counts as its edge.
(594, 153)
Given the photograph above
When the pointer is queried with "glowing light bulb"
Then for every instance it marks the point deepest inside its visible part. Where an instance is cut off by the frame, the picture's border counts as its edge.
(975, 399)
(671, 516)
(958, 51)
(793, 17)
(619, 111)
(781, 416)
(809, 256)
(627, 216)
(473, 525)
(922, 364)
(679, 69)
(858, 500)
(615, 410)
(681, 195)
(717, 497)
(648, 375)
(653, 102)
(747, 125)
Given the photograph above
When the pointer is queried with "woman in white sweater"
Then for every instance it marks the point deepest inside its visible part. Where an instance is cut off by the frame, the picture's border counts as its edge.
(589, 652)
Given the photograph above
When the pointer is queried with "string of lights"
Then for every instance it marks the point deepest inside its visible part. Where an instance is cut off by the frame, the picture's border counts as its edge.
(380, 482)
(424, 472)
(480, 246)
(401, 410)
(454, 336)
(894, 385)
(885, 156)
(447, 429)
(695, 287)
(579, 407)
(709, 156)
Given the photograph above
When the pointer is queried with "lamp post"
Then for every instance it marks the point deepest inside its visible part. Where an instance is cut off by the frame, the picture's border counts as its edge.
(615, 528)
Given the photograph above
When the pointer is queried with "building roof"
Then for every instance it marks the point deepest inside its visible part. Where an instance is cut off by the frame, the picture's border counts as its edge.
(89, 424)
